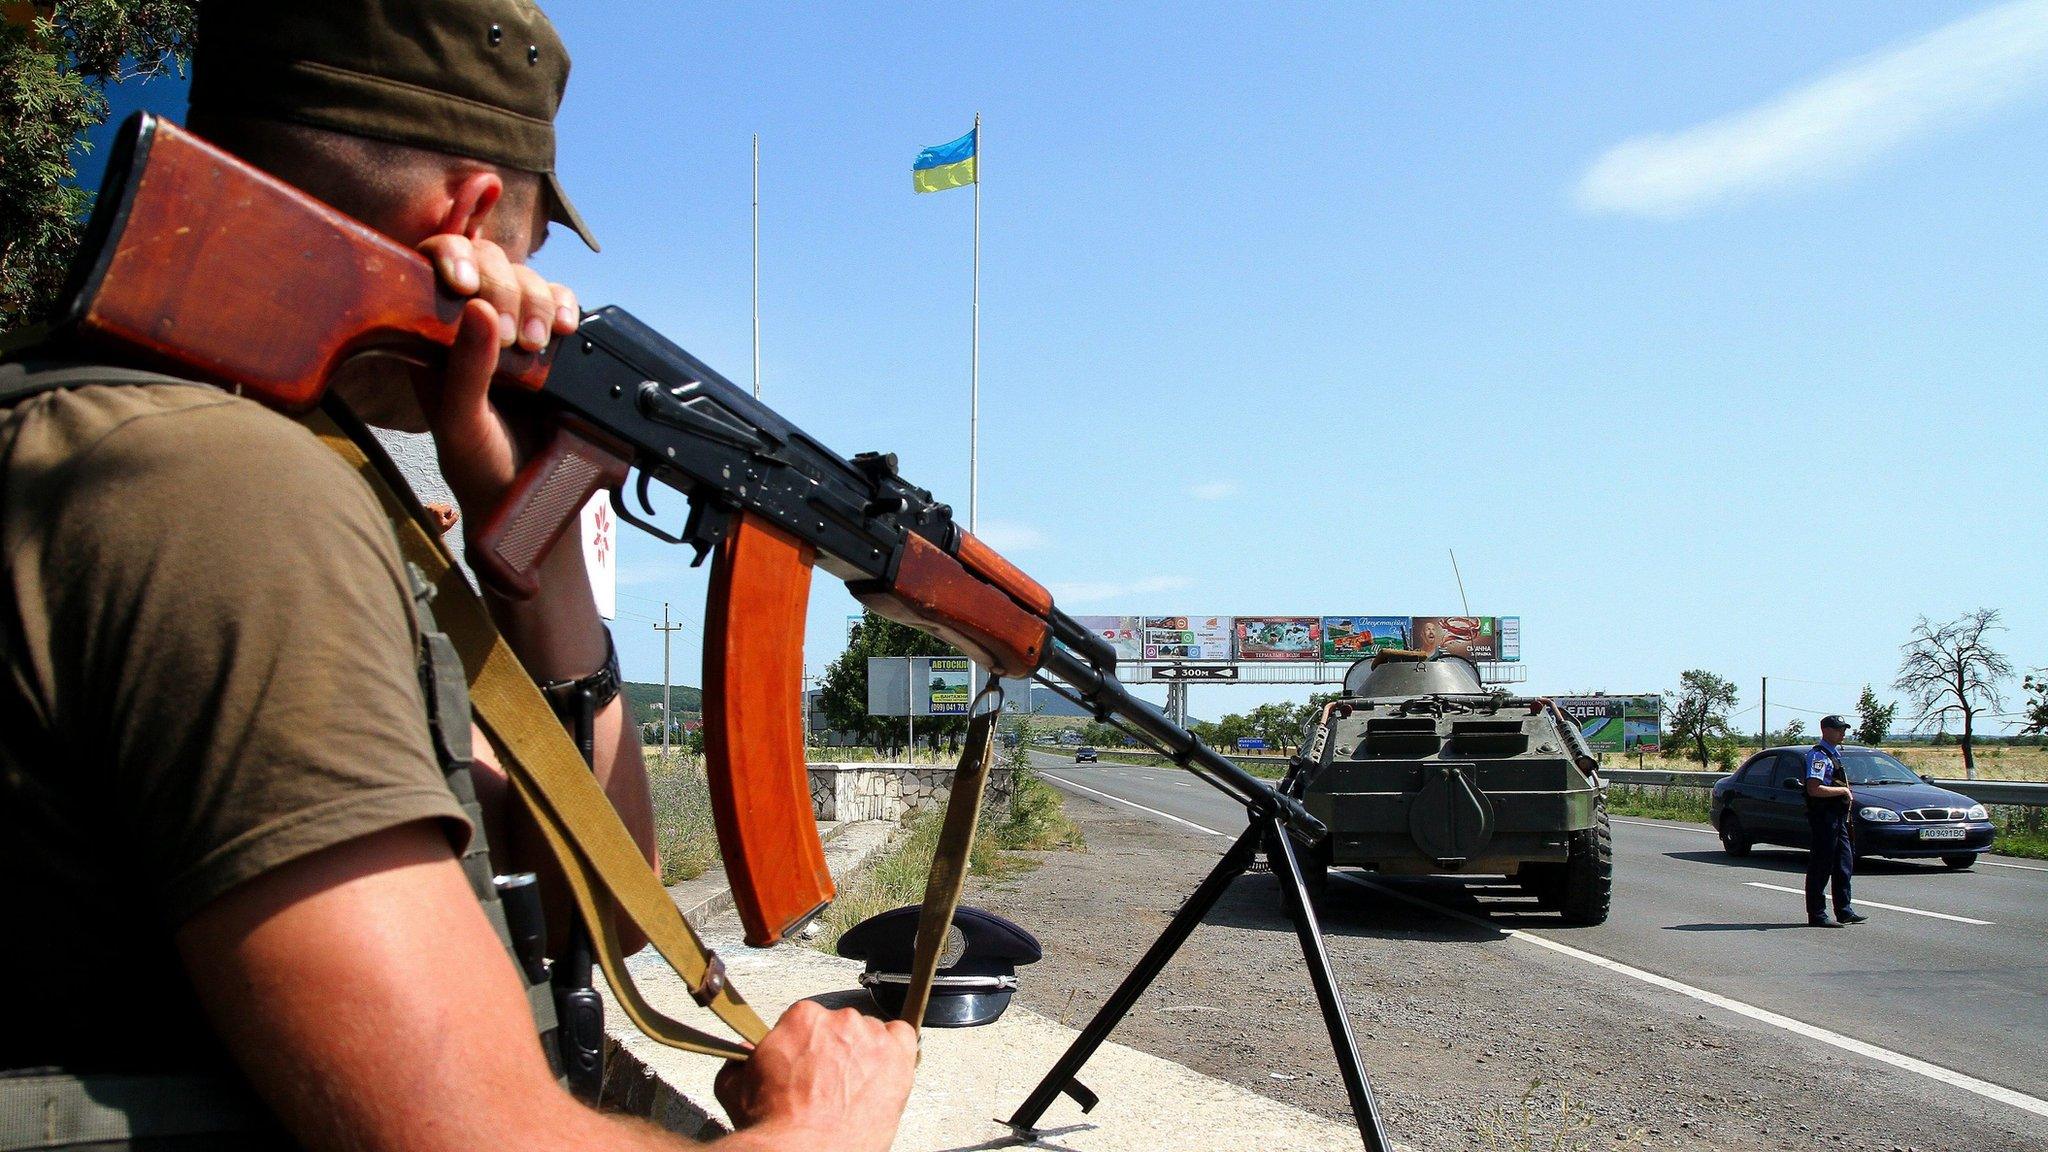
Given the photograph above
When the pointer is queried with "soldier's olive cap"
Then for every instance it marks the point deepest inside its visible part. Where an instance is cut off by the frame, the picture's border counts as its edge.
(475, 78)
(1832, 721)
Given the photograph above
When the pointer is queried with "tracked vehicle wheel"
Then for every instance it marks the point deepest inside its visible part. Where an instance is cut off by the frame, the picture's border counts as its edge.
(1588, 881)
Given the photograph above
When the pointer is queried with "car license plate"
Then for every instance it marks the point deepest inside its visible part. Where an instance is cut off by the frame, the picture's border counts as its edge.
(1941, 833)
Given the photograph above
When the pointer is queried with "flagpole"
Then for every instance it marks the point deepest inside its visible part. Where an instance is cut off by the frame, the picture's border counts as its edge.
(974, 361)
(974, 387)
(757, 265)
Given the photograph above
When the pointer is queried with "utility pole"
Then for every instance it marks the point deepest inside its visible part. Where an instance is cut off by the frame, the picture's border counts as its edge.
(667, 706)
(1763, 721)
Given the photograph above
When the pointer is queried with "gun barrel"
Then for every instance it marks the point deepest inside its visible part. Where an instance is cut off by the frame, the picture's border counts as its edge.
(1109, 697)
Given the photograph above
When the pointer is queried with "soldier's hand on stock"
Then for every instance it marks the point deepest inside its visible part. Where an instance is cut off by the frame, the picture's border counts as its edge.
(824, 1079)
(510, 306)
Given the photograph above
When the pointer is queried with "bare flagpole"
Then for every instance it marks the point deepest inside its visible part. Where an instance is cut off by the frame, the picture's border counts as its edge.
(757, 265)
(974, 361)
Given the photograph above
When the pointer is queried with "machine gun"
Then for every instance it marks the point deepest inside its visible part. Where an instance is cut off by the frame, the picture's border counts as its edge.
(199, 263)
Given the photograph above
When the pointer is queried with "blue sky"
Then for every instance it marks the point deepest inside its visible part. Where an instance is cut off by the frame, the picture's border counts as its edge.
(1708, 335)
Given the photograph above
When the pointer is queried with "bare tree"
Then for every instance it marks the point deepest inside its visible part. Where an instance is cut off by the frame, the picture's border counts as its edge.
(1948, 670)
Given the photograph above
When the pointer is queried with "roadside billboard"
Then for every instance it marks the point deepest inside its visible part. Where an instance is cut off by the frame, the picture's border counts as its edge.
(1122, 633)
(919, 685)
(1185, 637)
(949, 684)
(1279, 637)
(1510, 638)
(1617, 723)
(1475, 636)
(1348, 638)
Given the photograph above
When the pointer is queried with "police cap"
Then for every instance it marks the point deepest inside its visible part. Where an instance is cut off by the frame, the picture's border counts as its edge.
(475, 78)
(1833, 721)
(977, 969)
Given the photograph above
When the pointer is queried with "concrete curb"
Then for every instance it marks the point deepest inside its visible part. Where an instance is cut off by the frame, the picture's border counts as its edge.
(968, 1076)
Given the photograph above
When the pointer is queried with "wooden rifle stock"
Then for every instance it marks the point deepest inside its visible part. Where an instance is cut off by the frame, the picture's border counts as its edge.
(202, 264)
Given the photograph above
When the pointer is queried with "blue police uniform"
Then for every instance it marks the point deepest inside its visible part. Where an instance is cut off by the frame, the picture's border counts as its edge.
(1833, 858)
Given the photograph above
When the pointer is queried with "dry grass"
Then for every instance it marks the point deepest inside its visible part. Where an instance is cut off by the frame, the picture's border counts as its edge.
(1036, 821)
(1994, 762)
(1536, 1123)
(682, 815)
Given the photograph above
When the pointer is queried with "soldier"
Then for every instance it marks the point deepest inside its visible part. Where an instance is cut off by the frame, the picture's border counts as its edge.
(230, 849)
(1828, 805)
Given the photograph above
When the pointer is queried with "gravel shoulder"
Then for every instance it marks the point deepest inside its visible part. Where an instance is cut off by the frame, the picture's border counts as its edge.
(1472, 1042)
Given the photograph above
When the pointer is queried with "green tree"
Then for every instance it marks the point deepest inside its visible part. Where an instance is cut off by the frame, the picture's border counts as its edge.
(1873, 720)
(1278, 724)
(1102, 735)
(1699, 712)
(845, 686)
(1951, 671)
(56, 61)
(2035, 713)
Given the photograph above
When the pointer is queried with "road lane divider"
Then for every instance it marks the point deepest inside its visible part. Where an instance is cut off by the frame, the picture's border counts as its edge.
(1899, 1060)
(1886, 907)
(1139, 807)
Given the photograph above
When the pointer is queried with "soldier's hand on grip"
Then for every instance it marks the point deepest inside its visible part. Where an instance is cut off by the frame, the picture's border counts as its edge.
(824, 1079)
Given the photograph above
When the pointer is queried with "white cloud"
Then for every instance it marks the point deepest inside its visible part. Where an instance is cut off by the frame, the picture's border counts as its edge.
(1010, 538)
(1095, 591)
(1214, 490)
(1833, 124)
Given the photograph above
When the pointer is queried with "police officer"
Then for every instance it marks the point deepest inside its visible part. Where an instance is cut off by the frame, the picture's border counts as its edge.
(232, 858)
(1828, 805)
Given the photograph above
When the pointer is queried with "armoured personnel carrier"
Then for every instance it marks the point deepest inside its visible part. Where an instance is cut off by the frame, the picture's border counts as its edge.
(1419, 770)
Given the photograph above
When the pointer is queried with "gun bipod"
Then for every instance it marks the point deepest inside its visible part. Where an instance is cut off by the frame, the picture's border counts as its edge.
(1263, 826)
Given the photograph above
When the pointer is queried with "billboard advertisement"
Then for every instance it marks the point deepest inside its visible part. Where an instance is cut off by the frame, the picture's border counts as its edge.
(1279, 637)
(1477, 637)
(1617, 723)
(1185, 637)
(1121, 632)
(1510, 638)
(948, 679)
(919, 685)
(1348, 638)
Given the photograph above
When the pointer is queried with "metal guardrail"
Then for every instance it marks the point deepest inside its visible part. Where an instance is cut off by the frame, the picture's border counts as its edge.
(2012, 792)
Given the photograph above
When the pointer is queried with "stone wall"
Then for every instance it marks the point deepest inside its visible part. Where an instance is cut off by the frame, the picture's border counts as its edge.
(845, 792)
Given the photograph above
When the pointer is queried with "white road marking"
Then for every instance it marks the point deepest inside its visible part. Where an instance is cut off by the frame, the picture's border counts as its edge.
(1875, 904)
(1139, 807)
(1936, 1072)
(1183, 784)
(1899, 1060)
(1711, 832)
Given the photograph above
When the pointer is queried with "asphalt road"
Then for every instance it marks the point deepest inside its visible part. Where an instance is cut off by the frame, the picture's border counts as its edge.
(1951, 969)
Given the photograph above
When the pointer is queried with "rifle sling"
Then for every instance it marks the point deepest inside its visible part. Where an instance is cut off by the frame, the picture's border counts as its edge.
(949, 861)
(582, 829)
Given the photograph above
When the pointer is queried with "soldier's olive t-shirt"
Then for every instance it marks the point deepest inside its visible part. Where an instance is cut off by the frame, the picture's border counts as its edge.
(207, 670)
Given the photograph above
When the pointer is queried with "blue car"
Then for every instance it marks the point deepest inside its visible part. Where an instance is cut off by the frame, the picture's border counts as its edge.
(1898, 813)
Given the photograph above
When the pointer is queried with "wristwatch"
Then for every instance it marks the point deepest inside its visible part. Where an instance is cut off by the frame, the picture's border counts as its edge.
(600, 687)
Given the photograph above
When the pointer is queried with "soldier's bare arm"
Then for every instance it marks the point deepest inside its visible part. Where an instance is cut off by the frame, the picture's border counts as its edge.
(369, 1001)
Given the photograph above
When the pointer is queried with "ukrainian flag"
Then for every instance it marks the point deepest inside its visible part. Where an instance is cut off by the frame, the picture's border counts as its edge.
(944, 166)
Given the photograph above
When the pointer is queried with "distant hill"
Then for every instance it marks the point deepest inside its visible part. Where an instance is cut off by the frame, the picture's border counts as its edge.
(645, 700)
